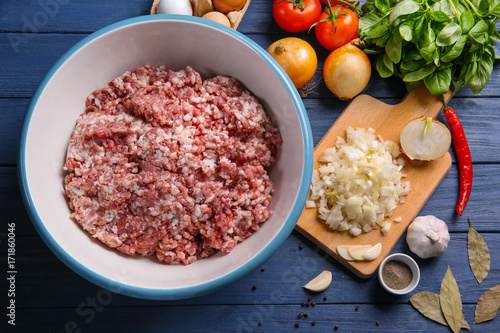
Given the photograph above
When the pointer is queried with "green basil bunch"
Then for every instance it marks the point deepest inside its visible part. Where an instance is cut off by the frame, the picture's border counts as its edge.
(439, 43)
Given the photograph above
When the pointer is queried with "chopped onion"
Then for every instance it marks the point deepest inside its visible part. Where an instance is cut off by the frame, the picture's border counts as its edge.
(425, 139)
(359, 182)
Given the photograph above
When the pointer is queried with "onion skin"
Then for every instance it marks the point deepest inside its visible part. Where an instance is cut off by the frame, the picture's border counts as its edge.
(297, 58)
(347, 71)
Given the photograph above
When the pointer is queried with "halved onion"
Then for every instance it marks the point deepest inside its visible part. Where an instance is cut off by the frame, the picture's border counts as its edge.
(425, 139)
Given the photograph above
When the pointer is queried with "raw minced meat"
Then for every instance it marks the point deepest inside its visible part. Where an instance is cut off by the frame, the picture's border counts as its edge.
(166, 163)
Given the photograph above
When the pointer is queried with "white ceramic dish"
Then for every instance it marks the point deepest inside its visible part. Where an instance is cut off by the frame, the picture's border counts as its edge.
(414, 270)
(175, 41)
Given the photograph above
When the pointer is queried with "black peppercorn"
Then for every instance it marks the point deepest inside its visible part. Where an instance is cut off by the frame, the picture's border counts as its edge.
(313, 303)
(357, 307)
(377, 323)
(301, 247)
(297, 325)
(325, 298)
(260, 323)
(336, 327)
(254, 287)
(313, 323)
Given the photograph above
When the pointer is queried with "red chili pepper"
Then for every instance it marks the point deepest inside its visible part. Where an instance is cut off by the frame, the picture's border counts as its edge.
(463, 157)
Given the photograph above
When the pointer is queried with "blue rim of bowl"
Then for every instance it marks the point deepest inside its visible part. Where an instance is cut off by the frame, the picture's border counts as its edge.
(206, 287)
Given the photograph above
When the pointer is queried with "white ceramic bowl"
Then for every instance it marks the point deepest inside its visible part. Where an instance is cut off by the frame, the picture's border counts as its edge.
(175, 41)
(414, 270)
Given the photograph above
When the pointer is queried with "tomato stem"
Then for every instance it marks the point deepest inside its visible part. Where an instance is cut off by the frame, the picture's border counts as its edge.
(296, 3)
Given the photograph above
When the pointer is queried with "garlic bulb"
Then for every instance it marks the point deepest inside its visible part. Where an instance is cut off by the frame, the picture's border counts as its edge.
(428, 236)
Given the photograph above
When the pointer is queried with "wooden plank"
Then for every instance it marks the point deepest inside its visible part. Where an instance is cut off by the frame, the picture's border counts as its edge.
(280, 283)
(101, 316)
(387, 121)
(30, 57)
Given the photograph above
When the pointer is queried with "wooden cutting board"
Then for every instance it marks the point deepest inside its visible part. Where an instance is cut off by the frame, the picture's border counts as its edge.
(387, 121)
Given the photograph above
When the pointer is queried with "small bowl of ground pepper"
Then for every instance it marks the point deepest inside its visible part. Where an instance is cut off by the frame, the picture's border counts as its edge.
(399, 274)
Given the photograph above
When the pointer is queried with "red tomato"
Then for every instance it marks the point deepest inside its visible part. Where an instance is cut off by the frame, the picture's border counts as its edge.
(337, 3)
(347, 28)
(289, 15)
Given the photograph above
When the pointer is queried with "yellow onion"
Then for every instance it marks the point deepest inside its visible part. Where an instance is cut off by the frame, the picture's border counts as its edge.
(425, 139)
(296, 57)
(347, 71)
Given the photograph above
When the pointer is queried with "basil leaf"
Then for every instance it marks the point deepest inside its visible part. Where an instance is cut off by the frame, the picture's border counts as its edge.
(406, 30)
(428, 52)
(483, 7)
(410, 53)
(384, 65)
(411, 66)
(420, 74)
(418, 27)
(444, 7)
(471, 72)
(368, 21)
(378, 32)
(439, 82)
(484, 69)
(456, 50)
(467, 21)
(393, 50)
(449, 35)
(382, 41)
(439, 16)
(495, 10)
(405, 7)
(479, 33)
(382, 5)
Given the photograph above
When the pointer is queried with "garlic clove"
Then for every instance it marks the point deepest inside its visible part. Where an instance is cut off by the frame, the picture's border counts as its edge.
(320, 282)
(343, 251)
(358, 251)
(373, 253)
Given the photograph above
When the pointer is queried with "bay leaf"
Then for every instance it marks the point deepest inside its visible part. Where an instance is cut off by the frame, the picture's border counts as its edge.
(451, 302)
(488, 305)
(427, 303)
(479, 254)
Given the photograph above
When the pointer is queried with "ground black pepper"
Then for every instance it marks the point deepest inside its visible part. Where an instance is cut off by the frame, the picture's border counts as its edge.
(397, 274)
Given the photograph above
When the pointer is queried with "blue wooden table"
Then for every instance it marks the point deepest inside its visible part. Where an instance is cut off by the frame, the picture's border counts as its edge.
(49, 297)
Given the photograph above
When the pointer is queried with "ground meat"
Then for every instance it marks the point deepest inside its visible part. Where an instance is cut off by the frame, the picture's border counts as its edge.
(166, 163)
